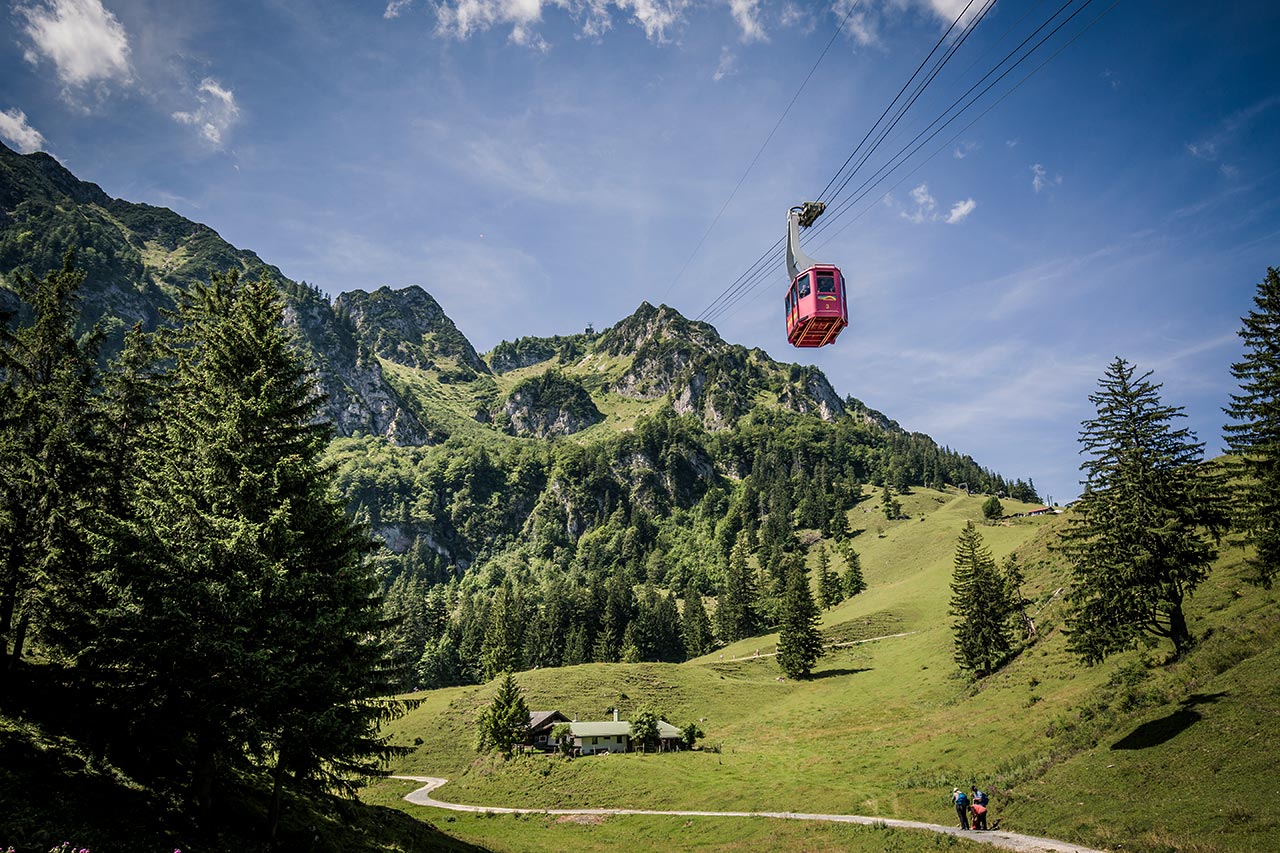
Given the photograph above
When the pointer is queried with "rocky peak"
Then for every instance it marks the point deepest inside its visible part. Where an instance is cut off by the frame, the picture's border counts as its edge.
(409, 327)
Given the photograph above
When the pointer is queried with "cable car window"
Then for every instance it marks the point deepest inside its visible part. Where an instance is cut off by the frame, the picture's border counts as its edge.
(804, 285)
(788, 302)
(826, 283)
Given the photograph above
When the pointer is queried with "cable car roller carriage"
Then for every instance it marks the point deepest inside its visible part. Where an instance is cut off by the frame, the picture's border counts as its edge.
(816, 311)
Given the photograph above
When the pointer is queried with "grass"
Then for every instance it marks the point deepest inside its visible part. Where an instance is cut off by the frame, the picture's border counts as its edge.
(1136, 753)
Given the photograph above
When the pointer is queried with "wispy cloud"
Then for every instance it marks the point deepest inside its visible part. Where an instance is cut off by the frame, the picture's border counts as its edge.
(960, 211)
(925, 205)
(16, 131)
(727, 65)
(395, 7)
(1210, 147)
(85, 42)
(964, 149)
(215, 114)
(1040, 179)
(747, 14)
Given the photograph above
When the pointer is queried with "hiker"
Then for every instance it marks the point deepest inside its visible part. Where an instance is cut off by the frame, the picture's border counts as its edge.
(961, 799)
(979, 809)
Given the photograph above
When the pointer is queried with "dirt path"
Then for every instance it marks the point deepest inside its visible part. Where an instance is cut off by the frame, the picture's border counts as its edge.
(996, 838)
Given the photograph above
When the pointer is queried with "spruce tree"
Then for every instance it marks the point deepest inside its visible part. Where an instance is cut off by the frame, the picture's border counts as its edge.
(504, 724)
(1134, 540)
(980, 603)
(695, 627)
(830, 590)
(1255, 434)
(52, 467)
(853, 582)
(799, 637)
(737, 610)
(248, 633)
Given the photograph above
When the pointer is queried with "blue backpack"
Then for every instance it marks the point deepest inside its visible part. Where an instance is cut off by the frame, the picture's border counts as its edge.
(980, 798)
(962, 799)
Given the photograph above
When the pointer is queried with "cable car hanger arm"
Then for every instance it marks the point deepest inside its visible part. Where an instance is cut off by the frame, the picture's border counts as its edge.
(799, 217)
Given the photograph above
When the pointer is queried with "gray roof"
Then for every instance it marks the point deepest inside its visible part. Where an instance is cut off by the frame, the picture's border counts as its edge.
(601, 729)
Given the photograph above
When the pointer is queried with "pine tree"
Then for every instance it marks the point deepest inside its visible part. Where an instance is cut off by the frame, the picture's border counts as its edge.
(249, 630)
(980, 603)
(504, 632)
(504, 724)
(992, 509)
(830, 590)
(695, 627)
(1255, 435)
(799, 637)
(1133, 541)
(737, 610)
(51, 467)
(889, 504)
(853, 582)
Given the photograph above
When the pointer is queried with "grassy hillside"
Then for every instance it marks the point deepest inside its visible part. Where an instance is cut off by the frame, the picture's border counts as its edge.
(1134, 753)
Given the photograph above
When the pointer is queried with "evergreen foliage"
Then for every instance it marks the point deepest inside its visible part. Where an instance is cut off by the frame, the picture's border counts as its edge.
(852, 580)
(799, 636)
(695, 626)
(504, 724)
(737, 612)
(992, 509)
(830, 588)
(981, 603)
(1134, 541)
(1255, 434)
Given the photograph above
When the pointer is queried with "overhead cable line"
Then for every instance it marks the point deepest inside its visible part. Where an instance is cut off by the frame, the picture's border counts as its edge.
(751, 280)
(764, 145)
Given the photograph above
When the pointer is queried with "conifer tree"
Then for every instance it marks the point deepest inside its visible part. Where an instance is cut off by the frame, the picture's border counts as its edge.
(248, 631)
(504, 724)
(695, 627)
(1255, 434)
(501, 650)
(853, 582)
(799, 637)
(830, 590)
(980, 603)
(52, 466)
(737, 610)
(1134, 540)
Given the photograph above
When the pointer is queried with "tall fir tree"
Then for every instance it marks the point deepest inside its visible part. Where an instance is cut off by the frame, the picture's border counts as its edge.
(799, 637)
(830, 589)
(1134, 540)
(852, 579)
(980, 604)
(248, 634)
(504, 724)
(1255, 434)
(52, 467)
(737, 610)
(695, 626)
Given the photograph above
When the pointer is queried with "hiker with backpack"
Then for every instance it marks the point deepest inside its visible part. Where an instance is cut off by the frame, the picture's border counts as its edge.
(979, 809)
(961, 800)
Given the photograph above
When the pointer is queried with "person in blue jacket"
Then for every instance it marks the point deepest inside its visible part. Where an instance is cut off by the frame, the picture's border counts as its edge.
(961, 800)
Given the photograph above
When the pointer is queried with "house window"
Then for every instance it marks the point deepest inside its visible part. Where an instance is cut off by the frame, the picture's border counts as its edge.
(542, 738)
(595, 740)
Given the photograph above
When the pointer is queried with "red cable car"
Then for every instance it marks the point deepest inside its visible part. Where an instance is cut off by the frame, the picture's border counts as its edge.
(815, 304)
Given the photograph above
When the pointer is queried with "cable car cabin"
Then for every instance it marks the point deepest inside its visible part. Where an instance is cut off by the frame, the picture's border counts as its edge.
(816, 312)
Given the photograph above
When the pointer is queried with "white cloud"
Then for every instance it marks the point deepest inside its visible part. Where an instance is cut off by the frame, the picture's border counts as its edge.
(960, 211)
(215, 114)
(1012, 143)
(1040, 179)
(395, 7)
(15, 130)
(747, 14)
(964, 149)
(85, 42)
(793, 15)
(925, 205)
(727, 65)
(461, 19)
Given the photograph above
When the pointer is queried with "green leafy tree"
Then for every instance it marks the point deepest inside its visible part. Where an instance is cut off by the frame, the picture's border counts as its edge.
(504, 724)
(1255, 434)
(992, 509)
(852, 580)
(980, 603)
(689, 735)
(799, 638)
(1134, 541)
(830, 589)
(562, 734)
(644, 729)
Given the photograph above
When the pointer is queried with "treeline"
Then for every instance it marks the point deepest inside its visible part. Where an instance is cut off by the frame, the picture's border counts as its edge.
(173, 551)
(656, 544)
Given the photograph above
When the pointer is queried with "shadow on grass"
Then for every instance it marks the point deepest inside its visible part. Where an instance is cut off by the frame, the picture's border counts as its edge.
(1166, 728)
(833, 673)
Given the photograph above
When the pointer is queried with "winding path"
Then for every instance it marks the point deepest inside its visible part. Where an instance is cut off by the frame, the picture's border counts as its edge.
(996, 838)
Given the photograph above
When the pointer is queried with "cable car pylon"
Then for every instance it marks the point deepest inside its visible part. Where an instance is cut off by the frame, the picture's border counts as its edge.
(815, 304)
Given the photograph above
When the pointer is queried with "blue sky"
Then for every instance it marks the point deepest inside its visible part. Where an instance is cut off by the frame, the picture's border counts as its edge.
(542, 165)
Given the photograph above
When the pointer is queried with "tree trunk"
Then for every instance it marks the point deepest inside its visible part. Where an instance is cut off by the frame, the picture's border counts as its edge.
(277, 799)
(19, 640)
(202, 783)
(1178, 631)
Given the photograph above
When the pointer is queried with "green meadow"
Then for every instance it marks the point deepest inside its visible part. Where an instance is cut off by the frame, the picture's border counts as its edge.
(1138, 753)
